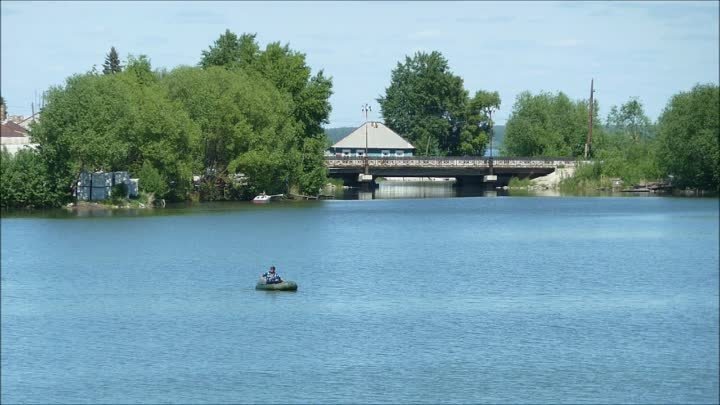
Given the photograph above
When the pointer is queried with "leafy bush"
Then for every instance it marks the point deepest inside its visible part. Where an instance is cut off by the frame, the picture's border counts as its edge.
(151, 181)
(25, 183)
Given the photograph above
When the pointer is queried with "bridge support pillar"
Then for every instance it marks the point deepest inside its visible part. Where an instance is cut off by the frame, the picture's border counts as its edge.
(367, 182)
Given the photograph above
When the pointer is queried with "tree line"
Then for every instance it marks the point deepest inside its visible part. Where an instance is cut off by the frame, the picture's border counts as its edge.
(681, 146)
(250, 119)
(428, 105)
(246, 119)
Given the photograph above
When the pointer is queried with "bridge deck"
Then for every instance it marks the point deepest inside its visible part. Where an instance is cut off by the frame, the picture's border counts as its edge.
(463, 168)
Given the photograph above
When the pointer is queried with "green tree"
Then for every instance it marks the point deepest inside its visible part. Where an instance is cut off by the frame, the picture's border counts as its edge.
(3, 109)
(231, 51)
(140, 69)
(24, 181)
(112, 62)
(114, 122)
(282, 74)
(426, 103)
(548, 124)
(151, 180)
(285, 68)
(475, 135)
(689, 133)
(630, 119)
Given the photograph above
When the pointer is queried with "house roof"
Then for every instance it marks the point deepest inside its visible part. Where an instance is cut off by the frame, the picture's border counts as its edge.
(10, 129)
(378, 137)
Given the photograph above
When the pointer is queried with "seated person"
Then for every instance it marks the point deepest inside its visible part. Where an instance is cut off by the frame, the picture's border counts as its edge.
(271, 277)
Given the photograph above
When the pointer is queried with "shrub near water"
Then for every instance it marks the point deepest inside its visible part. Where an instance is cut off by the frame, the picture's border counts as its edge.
(519, 183)
(24, 181)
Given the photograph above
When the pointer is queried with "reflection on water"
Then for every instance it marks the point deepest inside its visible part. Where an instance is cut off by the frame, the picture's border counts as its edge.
(388, 190)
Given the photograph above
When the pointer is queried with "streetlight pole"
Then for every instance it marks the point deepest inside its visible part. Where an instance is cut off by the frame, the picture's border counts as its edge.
(365, 108)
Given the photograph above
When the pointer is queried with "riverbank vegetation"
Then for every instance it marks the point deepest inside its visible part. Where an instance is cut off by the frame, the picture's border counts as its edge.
(245, 119)
(248, 119)
(681, 148)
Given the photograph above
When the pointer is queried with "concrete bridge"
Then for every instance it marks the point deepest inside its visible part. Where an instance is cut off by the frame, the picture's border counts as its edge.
(466, 169)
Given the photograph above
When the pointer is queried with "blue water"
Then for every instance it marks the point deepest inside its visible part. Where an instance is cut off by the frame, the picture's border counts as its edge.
(444, 300)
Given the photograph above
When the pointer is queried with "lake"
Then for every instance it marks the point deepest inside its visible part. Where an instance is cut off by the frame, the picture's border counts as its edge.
(434, 300)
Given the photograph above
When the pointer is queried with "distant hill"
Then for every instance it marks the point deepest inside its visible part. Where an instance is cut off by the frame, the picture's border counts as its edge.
(336, 134)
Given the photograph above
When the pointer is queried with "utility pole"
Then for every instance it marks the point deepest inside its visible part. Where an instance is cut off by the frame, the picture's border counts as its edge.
(590, 120)
(491, 145)
(365, 108)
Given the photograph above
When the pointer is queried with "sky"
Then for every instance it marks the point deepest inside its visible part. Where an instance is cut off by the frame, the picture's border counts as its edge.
(648, 50)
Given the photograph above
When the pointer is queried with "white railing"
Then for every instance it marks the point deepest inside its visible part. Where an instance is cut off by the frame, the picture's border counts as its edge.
(449, 162)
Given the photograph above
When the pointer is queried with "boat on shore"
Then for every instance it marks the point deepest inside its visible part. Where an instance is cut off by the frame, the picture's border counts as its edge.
(261, 199)
(283, 286)
(265, 198)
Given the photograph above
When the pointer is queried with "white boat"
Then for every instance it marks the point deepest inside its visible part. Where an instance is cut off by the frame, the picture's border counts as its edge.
(261, 199)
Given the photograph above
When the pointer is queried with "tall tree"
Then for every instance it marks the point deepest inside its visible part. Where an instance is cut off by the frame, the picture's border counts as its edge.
(231, 51)
(689, 134)
(3, 108)
(284, 67)
(112, 62)
(630, 119)
(475, 135)
(426, 103)
(140, 69)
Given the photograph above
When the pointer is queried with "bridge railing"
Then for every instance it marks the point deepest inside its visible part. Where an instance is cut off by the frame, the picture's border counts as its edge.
(449, 162)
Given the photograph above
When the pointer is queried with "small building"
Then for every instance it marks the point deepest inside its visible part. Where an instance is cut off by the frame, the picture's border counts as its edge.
(379, 140)
(14, 137)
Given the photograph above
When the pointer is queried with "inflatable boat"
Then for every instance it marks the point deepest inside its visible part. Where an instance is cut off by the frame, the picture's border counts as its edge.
(284, 286)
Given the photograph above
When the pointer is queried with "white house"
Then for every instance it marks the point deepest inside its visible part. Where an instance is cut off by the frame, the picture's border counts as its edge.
(376, 138)
(14, 137)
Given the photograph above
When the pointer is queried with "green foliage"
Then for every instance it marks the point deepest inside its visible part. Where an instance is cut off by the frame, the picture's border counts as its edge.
(119, 192)
(114, 122)
(246, 110)
(231, 51)
(3, 106)
(588, 176)
(312, 174)
(630, 119)
(474, 138)
(24, 181)
(428, 105)
(267, 99)
(548, 125)
(689, 133)
(112, 63)
(625, 149)
(519, 183)
(140, 69)
(152, 181)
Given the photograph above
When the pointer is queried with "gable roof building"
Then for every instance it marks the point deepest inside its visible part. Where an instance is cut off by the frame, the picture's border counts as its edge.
(14, 137)
(381, 141)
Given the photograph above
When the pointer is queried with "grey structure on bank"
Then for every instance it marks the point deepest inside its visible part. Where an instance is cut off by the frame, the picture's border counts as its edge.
(98, 186)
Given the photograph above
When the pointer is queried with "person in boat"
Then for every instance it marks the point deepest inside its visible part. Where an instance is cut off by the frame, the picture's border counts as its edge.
(271, 277)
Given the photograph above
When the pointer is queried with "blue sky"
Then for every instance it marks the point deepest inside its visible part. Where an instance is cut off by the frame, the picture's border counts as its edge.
(649, 50)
